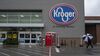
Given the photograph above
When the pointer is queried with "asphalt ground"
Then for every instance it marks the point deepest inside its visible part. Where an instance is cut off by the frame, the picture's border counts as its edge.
(44, 51)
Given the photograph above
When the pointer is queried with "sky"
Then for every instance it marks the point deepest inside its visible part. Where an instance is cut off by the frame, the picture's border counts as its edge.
(92, 7)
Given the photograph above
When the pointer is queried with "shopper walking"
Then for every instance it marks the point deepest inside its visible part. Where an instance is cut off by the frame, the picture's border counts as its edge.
(88, 40)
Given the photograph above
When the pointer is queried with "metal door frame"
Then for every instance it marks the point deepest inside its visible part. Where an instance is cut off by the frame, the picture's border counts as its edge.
(2, 39)
(30, 38)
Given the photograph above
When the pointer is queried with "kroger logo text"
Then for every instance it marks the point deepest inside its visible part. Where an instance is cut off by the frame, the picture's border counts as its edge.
(63, 14)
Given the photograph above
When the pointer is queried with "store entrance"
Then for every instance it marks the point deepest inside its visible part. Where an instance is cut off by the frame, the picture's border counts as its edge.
(91, 28)
(28, 38)
(3, 36)
(12, 35)
(9, 38)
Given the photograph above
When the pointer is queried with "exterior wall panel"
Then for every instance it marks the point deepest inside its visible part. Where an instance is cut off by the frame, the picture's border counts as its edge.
(75, 30)
(98, 33)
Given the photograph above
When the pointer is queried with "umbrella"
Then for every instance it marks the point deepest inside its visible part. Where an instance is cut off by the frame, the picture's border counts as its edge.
(87, 37)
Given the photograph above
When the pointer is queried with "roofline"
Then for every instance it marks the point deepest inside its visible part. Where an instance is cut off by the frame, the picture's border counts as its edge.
(92, 16)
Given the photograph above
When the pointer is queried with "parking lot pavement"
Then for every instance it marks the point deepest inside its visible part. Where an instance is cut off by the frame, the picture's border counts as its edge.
(80, 51)
(43, 51)
(23, 51)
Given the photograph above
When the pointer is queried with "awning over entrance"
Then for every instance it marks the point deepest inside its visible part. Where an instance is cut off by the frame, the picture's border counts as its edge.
(92, 21)
(21, 24)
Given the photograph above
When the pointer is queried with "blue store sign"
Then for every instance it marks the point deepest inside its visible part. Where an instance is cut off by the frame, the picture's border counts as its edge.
(63, 14)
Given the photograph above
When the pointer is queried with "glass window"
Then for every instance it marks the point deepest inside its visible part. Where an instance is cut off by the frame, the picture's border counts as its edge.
(33, 41)
(3, 19)
(27, 35)
(21, 41)
(36, 17)
(38, 34)
(9, 35)
(12, 19)
(33, 35)
(22, 35)
(2, 35)
(25, 13)
(21, 17)
(24, 19)
(12, 13)
(27, 41)
(3, 13)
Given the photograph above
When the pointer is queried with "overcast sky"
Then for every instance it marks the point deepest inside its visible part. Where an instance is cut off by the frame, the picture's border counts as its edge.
(92, 7)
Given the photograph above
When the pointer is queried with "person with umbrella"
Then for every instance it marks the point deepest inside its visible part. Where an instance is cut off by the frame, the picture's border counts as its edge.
(88, 40)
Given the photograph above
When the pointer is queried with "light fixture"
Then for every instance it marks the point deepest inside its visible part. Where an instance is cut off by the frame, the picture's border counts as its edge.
(3, 15)
(36, 15)
(21, 15)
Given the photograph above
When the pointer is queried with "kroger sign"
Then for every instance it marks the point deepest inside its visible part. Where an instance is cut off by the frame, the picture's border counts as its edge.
(63, 14)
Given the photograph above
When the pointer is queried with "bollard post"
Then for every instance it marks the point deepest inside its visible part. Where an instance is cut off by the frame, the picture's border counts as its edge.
(50, 51)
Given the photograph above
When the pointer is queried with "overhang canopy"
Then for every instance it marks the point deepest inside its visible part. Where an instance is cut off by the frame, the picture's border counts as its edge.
(21, 24)
(92, 21)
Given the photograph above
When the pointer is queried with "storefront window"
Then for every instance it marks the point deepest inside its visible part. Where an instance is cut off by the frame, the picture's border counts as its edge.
(21, 35)
(33, 41)
(33, 35)
(2, 35)
(3, 18)
(21, 17)
(27, 35)
(12, 19)
(36, 17)
(27, 41)
(24, 19)
(9, 35)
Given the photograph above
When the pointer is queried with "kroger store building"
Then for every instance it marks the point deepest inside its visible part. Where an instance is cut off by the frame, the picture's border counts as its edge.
(29, 20)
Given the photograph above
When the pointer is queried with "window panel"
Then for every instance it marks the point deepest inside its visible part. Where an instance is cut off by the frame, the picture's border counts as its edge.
(33, 41)
(3, 19)
(25, 13)
(22, 35)
(27, 41)
(27, 35)
(2, 35)
(21, 17)
(12, 13)
(36, 17)
(25, 19)
(12, 19)
(33, 35)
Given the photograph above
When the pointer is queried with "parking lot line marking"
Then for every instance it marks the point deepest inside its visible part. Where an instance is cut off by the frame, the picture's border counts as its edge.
(35, 47)
(4, 54)
(22, 54)
(30, 51)
(40, 49)
(36, 50)
(16, 52)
